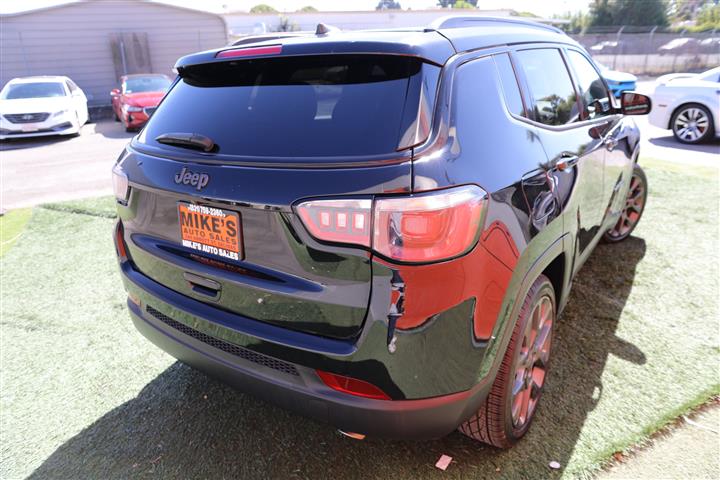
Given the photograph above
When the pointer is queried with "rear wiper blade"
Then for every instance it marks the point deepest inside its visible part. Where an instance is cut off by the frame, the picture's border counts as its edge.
(187, 140)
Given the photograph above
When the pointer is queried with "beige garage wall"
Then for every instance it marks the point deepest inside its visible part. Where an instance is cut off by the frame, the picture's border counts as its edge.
(74, 40)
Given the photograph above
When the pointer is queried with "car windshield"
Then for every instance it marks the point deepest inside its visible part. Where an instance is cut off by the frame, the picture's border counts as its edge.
(33, 90)
(712, 75)
(147, 84)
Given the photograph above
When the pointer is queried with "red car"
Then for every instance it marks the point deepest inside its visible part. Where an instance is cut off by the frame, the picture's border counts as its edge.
(138, 97)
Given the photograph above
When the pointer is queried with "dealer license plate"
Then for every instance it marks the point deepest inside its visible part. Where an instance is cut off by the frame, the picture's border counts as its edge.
(210, 230)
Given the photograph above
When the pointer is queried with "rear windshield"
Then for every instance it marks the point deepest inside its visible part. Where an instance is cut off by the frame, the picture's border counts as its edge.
(147, 84)
(303, 106)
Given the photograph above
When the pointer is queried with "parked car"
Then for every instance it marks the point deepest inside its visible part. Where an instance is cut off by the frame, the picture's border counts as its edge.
(607, 46)
(138, 97)
(688, 104)
(43, 105)
(710, 45)
(679, 45)
(617, 81)
(395, 266)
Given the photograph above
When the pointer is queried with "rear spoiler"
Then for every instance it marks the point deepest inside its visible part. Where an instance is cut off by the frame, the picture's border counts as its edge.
(430, 46)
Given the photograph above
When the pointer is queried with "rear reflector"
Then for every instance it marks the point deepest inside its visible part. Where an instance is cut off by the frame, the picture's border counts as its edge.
(250, 51)
(352, 386)
(120, 243)
(418, 228)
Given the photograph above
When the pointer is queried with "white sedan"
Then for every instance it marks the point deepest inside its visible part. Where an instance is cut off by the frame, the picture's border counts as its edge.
(36, 106)
(688, 104)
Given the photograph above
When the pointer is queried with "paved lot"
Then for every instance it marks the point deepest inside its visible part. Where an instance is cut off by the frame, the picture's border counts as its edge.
(49, 169)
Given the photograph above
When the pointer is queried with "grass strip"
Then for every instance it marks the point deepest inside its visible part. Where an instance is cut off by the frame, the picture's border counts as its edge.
(12, 224)
(104, 207)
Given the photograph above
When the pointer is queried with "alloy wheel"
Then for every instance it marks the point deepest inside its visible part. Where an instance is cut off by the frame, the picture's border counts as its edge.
(532, 362)
(691, 124)
(634, 204)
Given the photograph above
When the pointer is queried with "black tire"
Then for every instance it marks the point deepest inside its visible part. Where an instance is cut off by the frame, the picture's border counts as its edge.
(494, 422)
(632, 210)
(688, 111)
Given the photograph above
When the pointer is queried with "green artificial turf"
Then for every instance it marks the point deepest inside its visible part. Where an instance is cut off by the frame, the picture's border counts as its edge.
(82, 395)
(99, 207)
(12, 224)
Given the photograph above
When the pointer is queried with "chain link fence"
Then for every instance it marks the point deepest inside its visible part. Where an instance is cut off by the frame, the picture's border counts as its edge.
(650, 51)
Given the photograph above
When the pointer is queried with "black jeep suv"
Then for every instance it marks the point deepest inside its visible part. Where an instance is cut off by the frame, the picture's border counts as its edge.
(377, 229)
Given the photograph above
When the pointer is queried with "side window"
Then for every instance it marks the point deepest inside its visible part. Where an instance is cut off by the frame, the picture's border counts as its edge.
(595, 98)
(69, 87)
(513, 100)
(553, 96)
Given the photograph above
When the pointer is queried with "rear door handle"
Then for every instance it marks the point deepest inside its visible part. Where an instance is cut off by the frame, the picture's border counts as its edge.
(566, 161)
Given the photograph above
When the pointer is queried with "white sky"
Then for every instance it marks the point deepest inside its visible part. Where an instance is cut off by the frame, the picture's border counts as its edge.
(544, 8)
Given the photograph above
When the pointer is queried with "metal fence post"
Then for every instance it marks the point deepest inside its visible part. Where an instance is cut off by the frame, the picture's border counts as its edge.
(649, 48)
(617, 50)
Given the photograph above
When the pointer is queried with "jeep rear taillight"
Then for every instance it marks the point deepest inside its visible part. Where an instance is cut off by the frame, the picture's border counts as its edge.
(417, 228)
(338, 221)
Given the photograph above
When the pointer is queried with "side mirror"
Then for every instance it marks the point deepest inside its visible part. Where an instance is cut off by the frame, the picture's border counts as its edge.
(114, 92)
(632, 103)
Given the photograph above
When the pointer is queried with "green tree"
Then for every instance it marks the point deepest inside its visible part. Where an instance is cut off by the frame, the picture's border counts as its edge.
(708, 18)
(453, 3)
(388, 5)
(578, 21)
(262, 8)
(308, 9)
(685, 10)
(523, 14)
(464, 4)
(629, 12)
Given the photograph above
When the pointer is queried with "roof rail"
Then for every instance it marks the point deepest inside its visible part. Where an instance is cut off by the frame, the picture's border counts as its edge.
(465, 21)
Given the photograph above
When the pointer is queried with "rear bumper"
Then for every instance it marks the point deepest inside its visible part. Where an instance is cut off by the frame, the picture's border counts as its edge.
(303, 391)
(290, 385)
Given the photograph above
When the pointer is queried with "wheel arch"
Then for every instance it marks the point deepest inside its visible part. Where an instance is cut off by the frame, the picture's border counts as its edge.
(554, 260)
(691, 102)
(556, 273)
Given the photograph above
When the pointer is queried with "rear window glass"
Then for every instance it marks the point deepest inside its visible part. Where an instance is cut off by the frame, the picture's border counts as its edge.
(509, 83)
(304, 106)
(553, 94)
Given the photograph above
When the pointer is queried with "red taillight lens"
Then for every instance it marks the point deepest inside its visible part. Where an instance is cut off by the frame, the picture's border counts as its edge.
(353, 386)
(426, 227)
(251, 51)
(342, 221)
